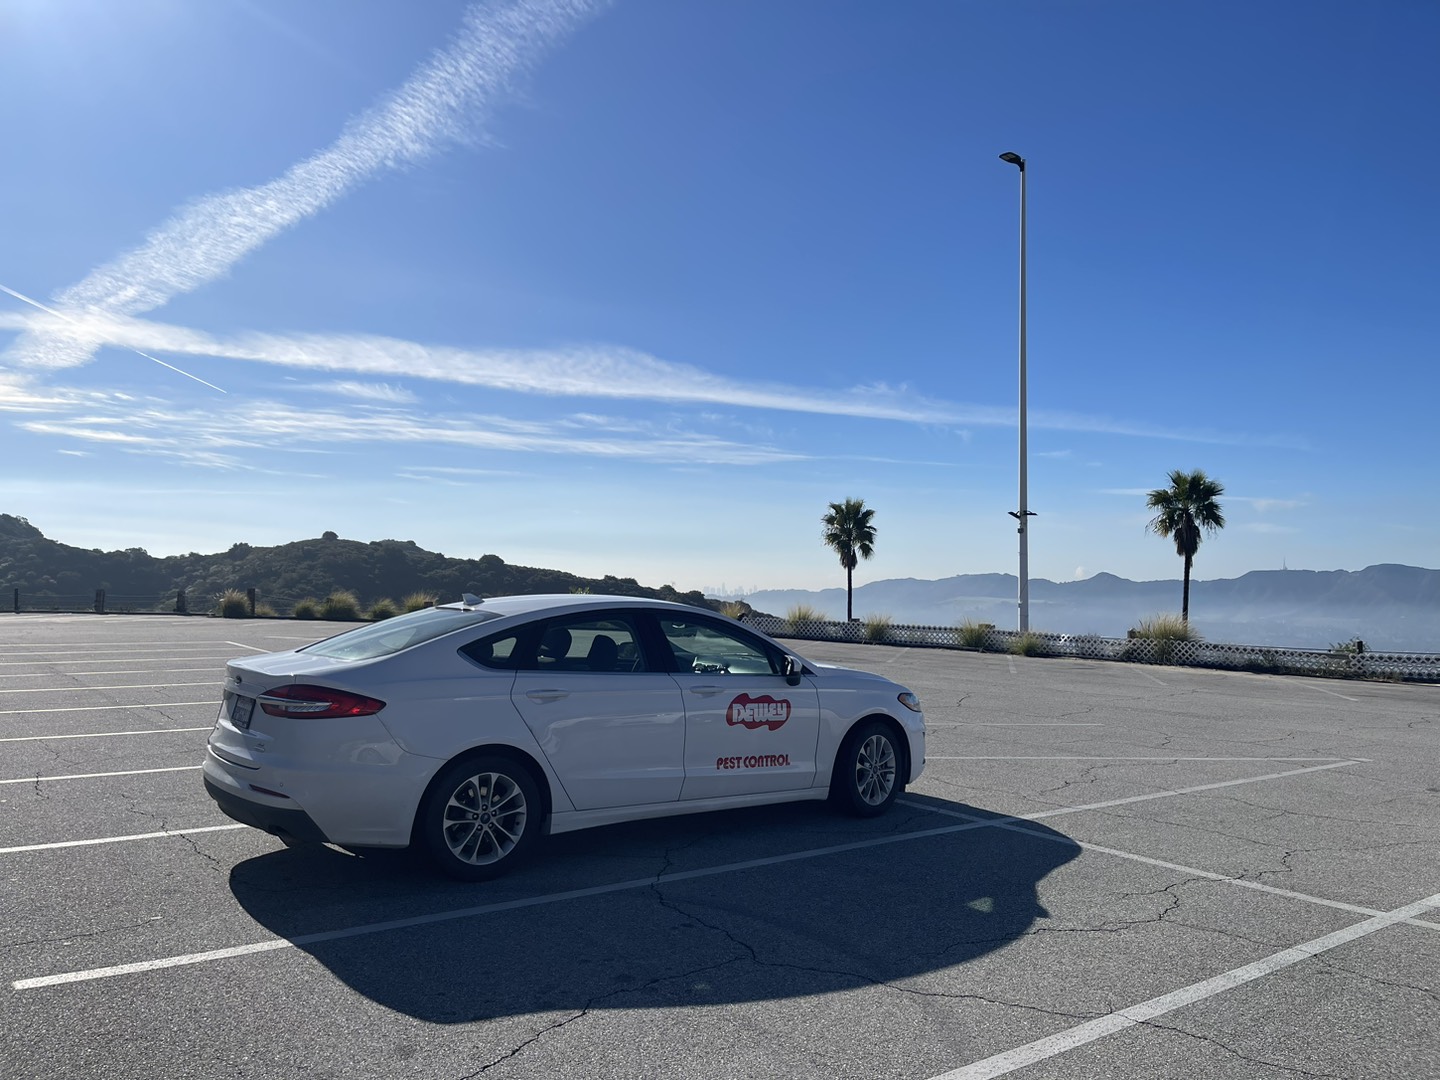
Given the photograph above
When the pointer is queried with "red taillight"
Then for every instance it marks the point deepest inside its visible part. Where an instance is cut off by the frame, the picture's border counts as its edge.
(317, 703)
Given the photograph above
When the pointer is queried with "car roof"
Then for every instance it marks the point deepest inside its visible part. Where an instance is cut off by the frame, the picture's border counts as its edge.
(543, 602)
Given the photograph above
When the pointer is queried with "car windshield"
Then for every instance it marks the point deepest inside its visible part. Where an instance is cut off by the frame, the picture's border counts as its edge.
(392, 635)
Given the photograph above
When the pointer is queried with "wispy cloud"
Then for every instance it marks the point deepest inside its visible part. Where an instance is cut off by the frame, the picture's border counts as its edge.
(440, 103)
(1266, 527)
(1266, 505)
(229, 440)
(364, 391)
(585, 371)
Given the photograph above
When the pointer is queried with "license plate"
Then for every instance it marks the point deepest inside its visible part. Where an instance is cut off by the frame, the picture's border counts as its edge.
(240, 710)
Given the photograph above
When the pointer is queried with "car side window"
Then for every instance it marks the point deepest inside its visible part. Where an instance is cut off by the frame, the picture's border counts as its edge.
(494, 652)
(707, 648)
(587, 642)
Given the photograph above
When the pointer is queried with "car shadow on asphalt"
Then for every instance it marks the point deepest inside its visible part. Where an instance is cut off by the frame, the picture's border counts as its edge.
(670, 913)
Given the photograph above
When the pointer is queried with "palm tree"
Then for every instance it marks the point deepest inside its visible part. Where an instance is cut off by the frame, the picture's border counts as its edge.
(1182, 510)
(849, 532)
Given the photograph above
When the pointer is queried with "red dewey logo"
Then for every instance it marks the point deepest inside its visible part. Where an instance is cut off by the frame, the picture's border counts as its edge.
(752, 713)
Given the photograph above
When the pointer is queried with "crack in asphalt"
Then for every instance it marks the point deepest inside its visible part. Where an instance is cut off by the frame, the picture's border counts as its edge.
(1120, 926)
(1427, 991)
(755, 958)
(1218, 1043)
(1281, 812)
(66, 939)
(215, 864)
(589, 1007)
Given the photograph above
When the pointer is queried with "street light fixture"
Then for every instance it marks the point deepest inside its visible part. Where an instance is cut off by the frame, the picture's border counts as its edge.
(1023, 514)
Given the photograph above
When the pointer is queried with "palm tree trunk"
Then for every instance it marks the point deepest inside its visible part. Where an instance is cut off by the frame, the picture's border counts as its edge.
(849, 593)
(1185, 601)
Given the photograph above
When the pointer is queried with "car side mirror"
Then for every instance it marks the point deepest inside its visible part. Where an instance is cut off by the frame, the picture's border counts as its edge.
(793, 670)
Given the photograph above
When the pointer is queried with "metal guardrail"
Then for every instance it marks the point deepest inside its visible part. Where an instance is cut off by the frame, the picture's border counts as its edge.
(1350, 662)
(99, 601)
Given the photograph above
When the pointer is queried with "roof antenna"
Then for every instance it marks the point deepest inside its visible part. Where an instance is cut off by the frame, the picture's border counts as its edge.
(469, 600)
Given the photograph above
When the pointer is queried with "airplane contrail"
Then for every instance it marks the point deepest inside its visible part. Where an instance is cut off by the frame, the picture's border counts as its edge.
(130, 348)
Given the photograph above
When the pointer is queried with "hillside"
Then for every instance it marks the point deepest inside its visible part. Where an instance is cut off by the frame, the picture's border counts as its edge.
(42, 568)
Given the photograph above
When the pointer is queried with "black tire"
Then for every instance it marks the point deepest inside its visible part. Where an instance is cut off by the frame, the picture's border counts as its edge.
(867, 775)
(481, 817)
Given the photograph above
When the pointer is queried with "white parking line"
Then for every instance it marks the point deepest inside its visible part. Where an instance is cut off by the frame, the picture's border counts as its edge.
(1076, 757)
(107, 650)
(218, 658)
(118, 839)
(598, 890)
(1184, 791)
(1018, 825)
(1332, 693)
(102, 734)
(99, 708)
(1091, 1030)
(242, 645)
(1189, 871)
(96, 775)
(129, 671)
(1053, 723)
(121, 686)
(1152, 678)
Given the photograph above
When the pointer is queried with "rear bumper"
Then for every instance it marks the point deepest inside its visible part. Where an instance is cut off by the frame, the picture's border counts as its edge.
(288, 824)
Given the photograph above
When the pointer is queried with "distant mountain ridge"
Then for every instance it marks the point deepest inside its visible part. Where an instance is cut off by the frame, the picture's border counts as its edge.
(1389, 606)
(388, 569)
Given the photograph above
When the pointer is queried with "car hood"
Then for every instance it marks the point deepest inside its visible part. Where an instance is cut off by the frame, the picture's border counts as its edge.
(834, 671)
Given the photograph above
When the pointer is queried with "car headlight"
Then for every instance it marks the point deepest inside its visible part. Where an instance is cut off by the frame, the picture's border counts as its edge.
(910, 701)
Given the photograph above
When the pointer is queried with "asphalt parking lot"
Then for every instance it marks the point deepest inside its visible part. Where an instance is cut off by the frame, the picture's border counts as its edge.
(1105, 871)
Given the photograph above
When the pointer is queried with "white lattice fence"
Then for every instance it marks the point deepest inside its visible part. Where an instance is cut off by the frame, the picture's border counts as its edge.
(1258, 658)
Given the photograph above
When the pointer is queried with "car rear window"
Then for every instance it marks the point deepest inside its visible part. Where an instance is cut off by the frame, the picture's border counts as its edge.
(401, 632)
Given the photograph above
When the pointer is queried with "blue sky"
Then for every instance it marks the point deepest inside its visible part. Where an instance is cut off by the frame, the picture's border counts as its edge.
(638, 288)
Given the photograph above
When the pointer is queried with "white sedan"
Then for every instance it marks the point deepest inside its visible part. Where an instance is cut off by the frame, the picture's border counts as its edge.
(470, 730)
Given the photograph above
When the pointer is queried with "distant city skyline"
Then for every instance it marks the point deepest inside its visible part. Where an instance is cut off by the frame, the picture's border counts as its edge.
(639, 288)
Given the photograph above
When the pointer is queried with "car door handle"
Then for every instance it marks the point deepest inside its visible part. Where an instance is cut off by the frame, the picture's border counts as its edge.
(546, 695)
(707, 690)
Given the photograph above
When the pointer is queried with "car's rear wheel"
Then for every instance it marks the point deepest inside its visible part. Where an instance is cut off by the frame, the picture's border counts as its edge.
(866, 777)
(481, 816)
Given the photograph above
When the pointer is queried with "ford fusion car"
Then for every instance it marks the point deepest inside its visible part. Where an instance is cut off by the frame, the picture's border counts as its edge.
(471, 730)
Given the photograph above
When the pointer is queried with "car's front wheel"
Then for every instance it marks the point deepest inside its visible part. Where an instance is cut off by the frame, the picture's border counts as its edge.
(481, 817)
(866, 777)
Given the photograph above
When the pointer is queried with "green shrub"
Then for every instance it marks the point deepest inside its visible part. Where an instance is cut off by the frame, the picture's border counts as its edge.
(974, 635)
(309, 608)
(264, 611)
(234, 604)
(1030, 643)
(1165, 628)
(417, 600)
(342, 605)
(1166, 632)
(382, 609)
(802, 617)
(735, 609)
(877, 628)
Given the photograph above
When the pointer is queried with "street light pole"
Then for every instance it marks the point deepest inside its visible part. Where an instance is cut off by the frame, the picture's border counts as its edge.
(1023, 515)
